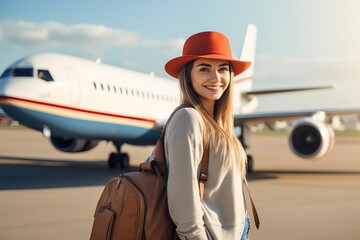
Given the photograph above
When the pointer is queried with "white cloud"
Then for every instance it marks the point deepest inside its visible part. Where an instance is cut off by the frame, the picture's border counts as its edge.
(25, 34)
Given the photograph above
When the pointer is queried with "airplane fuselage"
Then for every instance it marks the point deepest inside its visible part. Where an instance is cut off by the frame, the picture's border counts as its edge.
(87, 100)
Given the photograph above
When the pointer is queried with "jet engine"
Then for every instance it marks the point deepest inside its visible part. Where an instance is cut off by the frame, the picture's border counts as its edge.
(73, 145)
(311, 139)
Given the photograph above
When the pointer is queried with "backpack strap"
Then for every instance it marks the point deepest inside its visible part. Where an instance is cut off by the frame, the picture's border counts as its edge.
(159, 154)
(204, 174)
(255, 214)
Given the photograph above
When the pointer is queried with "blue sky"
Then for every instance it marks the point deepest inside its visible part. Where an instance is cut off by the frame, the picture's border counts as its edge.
(299, 42)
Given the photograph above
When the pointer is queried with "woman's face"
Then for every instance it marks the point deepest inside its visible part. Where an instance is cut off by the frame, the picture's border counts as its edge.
(210, 78)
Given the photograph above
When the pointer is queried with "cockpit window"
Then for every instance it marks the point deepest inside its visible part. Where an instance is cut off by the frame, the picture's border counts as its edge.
(23, 72)
(45, 75)
(6, 73)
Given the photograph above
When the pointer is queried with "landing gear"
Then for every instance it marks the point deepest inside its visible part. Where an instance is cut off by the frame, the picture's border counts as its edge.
(244, 133)
(249, 164)
(119, 159)
(124, 161)
(113, 160)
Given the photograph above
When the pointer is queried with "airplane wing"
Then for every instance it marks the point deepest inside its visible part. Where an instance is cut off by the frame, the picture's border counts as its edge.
(259, 117)
(310, 135)
(272, 91)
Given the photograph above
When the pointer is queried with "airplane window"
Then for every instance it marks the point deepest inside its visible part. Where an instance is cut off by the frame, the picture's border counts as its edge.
(120, 90)
(108, 87)
(102, 86)
(23, 72)
(114, 89)
(6, 73)
(94, 85)
(45, 75)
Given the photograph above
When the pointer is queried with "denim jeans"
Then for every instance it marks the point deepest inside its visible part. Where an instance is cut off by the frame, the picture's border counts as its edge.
(245, 235)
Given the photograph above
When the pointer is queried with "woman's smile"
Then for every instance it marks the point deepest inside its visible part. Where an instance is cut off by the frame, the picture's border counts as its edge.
(214, 88)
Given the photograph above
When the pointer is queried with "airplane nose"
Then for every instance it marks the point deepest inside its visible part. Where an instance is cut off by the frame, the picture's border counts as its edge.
(3, 82)
(4, 79)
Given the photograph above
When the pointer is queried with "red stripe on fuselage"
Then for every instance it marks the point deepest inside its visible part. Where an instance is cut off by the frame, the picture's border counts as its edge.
(77, 109)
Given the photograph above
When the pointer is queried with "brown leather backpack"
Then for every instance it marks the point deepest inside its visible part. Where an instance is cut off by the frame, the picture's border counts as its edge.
(134, 205)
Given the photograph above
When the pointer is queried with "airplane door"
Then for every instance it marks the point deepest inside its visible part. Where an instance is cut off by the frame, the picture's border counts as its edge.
(74, 85)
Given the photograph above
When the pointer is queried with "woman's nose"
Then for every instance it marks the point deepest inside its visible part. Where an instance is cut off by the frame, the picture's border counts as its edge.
(215, 76)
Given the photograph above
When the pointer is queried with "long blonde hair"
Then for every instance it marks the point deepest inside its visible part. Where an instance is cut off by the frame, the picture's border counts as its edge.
(220, 128)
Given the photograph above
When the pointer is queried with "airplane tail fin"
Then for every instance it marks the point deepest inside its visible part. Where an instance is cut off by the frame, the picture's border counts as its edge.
(249, 45)
(246, 78)
(248, 54)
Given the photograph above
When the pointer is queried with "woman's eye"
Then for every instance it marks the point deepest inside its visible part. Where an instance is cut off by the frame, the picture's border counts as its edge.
(224, 69)
(204, 69)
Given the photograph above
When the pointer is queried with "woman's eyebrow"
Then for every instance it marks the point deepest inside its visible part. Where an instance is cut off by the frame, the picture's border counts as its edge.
(203, 65)
(209, 65)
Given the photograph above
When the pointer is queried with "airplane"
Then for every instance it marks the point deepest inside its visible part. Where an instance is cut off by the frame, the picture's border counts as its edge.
(77, 103)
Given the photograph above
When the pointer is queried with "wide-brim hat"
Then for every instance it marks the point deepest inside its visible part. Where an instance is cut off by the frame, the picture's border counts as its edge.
(210, 45)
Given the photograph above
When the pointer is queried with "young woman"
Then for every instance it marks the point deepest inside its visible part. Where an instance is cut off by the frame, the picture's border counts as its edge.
(205, 71)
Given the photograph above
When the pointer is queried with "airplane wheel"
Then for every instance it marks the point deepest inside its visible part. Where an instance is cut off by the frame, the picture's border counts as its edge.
(250, 164)
(124, 161)
(113, 160)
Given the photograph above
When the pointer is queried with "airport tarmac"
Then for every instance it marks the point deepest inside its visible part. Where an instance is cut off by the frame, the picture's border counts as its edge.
(46, 194)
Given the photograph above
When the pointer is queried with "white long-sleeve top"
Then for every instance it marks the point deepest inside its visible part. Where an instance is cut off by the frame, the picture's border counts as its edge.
(221, 214)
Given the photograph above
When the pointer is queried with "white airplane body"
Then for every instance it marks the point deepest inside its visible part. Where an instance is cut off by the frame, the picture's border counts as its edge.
(77, 103)
(112, 99)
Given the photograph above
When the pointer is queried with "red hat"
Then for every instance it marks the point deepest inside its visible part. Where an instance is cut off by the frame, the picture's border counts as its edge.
(210, 45)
